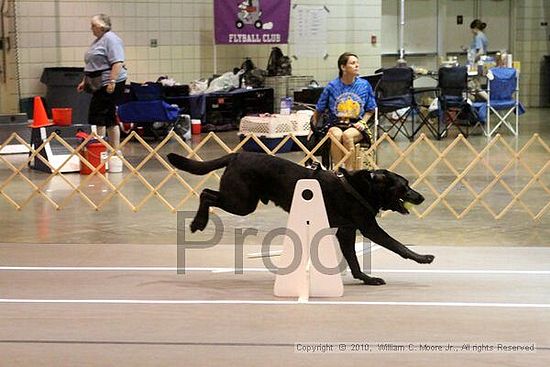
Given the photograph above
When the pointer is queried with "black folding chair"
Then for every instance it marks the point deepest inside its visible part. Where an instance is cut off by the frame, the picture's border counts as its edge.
(454, 109)
(396, 101)
(373, 79)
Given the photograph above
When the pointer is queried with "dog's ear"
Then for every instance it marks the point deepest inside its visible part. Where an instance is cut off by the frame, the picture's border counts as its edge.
(378, 177)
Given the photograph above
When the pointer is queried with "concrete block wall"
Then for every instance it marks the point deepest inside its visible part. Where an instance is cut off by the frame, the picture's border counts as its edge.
(57, 33)
(532, 42)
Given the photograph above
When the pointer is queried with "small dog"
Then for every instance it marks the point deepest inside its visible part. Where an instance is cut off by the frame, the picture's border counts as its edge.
(352, 198)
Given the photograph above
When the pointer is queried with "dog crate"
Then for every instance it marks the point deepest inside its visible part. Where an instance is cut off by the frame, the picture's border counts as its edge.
(223, 111)
(271, 130)
(285, 86)
(256, 101)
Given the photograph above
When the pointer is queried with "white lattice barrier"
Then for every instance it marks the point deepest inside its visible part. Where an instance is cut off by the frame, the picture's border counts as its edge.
(493, 175)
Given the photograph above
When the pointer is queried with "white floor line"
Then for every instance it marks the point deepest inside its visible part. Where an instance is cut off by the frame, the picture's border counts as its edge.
(360, 249)
(465, 271)
(128, 269)
(255, 255)
(251, 270)
(266, 302)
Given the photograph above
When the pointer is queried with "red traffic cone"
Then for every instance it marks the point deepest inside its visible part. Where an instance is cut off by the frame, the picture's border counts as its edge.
(39, 116)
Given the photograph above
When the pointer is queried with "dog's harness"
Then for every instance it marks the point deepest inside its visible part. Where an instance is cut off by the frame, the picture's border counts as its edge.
(351, 190)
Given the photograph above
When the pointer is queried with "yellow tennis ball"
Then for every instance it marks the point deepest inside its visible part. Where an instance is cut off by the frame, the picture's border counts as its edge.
(408, 205)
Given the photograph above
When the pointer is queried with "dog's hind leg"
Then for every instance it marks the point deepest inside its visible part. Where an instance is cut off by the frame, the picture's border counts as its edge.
(208, 198)
(346, 238)
(233, 204)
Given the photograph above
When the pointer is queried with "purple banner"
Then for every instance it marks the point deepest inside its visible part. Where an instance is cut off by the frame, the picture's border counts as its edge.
(251, 21)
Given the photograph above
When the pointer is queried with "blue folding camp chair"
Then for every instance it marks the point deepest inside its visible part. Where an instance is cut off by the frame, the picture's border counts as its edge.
(147, 110)
(503, 91)
(158, 116)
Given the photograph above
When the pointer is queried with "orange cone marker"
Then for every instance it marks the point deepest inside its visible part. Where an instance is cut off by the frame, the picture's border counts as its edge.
(39, 116)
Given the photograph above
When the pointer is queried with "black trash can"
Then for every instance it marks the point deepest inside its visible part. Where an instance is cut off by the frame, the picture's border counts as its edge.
(545, 82)
(26, 105)
(61, 83)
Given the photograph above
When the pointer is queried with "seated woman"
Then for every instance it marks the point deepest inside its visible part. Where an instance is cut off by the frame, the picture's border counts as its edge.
(349, 102)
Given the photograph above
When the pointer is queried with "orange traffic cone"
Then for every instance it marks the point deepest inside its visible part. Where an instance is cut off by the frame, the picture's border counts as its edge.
(39, 116)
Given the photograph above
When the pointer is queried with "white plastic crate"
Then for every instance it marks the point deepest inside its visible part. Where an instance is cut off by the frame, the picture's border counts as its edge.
(270, 126)
(275, 126)
(300, 122)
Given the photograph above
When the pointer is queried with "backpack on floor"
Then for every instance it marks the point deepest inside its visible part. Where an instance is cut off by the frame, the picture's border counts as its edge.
(278, 64)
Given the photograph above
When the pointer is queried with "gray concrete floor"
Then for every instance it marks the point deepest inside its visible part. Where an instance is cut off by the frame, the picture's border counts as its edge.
(488, 285)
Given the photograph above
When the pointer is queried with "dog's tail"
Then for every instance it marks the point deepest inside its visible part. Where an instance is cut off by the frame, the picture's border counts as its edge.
(198, 167)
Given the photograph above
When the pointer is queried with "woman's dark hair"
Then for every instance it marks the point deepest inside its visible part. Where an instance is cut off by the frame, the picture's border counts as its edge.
(478, 24)
(343, 60)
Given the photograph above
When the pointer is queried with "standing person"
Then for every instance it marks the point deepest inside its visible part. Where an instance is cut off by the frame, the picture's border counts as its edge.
(478, 48)
(350, 103)
(104, 61)
(479, 44)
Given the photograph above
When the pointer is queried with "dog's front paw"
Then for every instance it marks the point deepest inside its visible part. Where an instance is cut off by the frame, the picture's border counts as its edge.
(425, 259)
(197, 225)
(370, 280)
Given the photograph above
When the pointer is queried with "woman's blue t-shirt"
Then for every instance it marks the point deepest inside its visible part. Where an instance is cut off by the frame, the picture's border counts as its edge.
(349, 101)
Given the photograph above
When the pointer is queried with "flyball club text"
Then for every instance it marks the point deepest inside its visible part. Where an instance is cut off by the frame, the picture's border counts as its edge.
(254, 38)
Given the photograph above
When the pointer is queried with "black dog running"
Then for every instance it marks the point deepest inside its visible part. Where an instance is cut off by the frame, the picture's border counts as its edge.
(352, 198)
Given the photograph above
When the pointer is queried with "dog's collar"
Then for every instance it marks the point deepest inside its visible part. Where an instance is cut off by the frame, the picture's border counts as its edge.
(351, 190)
(316, 166)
